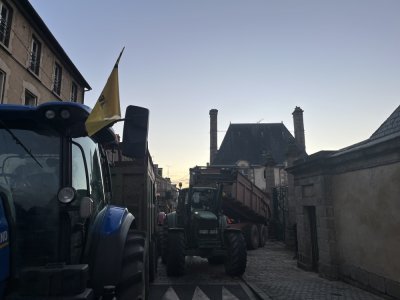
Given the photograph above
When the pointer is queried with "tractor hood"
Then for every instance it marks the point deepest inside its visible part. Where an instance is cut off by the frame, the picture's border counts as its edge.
(205, 218)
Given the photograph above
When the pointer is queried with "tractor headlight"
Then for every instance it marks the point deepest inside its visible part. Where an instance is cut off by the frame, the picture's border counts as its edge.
(66, 195)
(50, 114)
(65, 114)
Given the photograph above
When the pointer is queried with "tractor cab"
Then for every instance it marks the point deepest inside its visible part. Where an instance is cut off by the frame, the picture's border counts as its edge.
(54, 183)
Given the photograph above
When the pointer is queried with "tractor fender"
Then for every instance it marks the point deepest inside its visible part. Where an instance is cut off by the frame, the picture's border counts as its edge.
(108, 237)
(171, 220)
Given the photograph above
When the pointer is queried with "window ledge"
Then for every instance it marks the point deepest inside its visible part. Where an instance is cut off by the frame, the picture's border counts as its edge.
(33, 73)
(57, 95)
(7, 49)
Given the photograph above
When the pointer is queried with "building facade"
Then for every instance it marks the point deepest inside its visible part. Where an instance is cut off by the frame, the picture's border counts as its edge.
(348, 209)
(167, 192)
(261, 152)
(34, 68)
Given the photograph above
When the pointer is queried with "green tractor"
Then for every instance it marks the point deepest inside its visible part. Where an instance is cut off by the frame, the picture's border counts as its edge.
(198, 228)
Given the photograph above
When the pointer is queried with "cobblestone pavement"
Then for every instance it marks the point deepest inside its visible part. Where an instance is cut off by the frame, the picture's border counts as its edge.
(274, 271)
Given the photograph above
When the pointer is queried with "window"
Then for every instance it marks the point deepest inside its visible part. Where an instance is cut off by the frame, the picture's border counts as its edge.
(57, 79)
(74, 92)
(95, 174)
(36, 50)
(5, 23)
(30, 98)
(2, 84)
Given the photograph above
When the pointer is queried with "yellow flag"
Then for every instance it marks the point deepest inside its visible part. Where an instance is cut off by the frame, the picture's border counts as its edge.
(107, 109)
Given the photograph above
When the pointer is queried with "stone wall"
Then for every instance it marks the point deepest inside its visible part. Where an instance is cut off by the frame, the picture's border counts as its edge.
(354, 194)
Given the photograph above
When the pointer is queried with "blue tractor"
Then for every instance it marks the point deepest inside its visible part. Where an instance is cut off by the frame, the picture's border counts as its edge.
(60, 238)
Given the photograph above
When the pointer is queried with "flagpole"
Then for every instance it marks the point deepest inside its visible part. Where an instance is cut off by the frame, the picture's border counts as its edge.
(116, 64)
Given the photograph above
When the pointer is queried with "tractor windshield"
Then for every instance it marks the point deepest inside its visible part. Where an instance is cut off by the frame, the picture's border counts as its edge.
(203, 199)
(30, 179)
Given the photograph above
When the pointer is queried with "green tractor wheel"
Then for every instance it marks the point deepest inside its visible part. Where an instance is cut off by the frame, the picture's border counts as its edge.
(176, 253)
(236, 256)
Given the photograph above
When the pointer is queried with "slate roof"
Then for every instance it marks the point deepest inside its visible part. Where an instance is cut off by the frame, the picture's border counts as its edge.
(251, 142)
(390, 126)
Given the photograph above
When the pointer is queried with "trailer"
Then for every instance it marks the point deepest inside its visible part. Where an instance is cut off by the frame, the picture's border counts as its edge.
(246, 206)
(134, 188)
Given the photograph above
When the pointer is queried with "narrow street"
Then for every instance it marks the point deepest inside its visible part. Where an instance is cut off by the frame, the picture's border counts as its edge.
(271, 273)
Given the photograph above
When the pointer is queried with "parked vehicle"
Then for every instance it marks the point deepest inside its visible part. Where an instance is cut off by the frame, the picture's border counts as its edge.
(198, 228)
(60, 237)
(246, 206)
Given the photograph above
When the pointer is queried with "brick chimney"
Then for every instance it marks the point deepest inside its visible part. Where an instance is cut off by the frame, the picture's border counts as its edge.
(299, 127)
(213, 134)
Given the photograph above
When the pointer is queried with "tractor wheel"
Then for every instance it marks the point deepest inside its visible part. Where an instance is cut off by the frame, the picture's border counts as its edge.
(134, 280)
(176, 253)
(164, 245)
(252, 236)
(216, 260)
(236, 254)
(263, 235)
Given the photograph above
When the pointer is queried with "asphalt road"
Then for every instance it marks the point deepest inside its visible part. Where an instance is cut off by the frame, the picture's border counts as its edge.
(201, 281)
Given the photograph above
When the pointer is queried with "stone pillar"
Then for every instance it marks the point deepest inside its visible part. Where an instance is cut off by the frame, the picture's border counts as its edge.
(299, 127)
(292, 154)
(213, 134)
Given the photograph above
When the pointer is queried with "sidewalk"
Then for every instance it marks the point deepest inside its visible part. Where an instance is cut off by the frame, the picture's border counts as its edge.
(274, 271)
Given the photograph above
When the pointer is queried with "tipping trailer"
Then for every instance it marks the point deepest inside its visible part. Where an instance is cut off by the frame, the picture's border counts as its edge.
(246, 206)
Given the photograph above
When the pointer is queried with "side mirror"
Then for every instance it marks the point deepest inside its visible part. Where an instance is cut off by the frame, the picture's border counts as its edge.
(86, 207)
(135, 132)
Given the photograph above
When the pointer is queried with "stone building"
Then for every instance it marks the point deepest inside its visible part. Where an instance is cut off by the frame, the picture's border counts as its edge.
(34, 68)
(167, 192)
(348, 210)
(261, 152)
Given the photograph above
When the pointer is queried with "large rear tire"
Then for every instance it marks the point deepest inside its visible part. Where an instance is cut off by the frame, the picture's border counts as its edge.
(134, 281)
(176, 253)
(236, 254)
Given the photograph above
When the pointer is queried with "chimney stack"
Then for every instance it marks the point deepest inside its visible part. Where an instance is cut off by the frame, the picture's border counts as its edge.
(213, 134)
(299, 127)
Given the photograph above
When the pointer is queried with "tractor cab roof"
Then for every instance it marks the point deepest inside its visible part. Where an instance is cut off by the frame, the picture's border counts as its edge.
(68, 118)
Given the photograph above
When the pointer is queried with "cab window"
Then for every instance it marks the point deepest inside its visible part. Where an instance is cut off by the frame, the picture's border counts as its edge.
(94, 170)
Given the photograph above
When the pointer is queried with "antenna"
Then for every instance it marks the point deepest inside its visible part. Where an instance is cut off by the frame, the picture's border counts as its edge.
(260, 120)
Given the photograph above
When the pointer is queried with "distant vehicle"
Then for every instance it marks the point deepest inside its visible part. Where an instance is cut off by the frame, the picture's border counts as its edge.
(246, 206)
(198, 228)
(161, 218)
(60, 237)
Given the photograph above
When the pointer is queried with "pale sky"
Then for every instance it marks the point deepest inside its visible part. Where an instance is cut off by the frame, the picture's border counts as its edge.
(254, 61)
